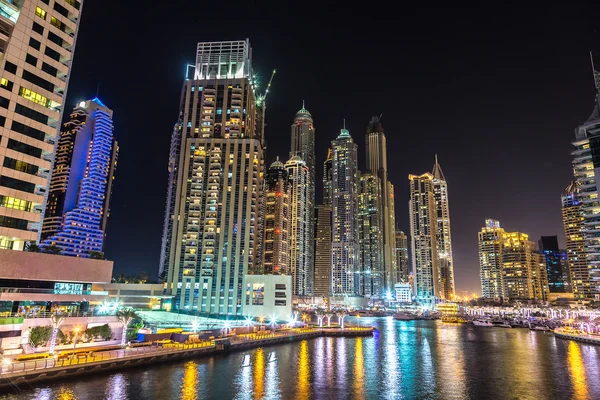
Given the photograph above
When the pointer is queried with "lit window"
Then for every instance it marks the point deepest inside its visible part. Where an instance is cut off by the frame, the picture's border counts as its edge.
(40, 13)
(33, 96)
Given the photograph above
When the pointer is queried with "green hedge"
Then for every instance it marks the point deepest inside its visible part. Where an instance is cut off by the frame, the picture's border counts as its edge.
(11, 320)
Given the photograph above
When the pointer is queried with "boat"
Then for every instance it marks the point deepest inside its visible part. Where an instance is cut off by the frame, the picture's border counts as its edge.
(482, 322)
(541, 328)
(404, 316)
(502, 324)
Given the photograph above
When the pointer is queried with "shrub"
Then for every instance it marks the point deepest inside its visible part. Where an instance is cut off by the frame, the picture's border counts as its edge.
(39, 335)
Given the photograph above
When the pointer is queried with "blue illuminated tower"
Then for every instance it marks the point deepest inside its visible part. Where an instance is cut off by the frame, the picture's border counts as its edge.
(80, 188)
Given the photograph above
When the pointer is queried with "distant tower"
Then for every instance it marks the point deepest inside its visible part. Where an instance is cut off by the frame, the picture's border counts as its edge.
(573, 220)
(327, 177)
(402, 270)
(322, 277)
(376, 161)
(81, 184)
(303, 146)
(586, 147)
(423, 236)
(491, 239)
(443, 235)
(276, 221)
(301, 240)
(370, 234)
(345, 258)
(555, 262)
(518, 264)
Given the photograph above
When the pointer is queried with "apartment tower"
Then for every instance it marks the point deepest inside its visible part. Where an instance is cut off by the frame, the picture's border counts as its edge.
(345, 248)
(37, 43)
(370, 236)
(216, 165)
(402, 265)
(555, 261)
(490, 240)
(81, 185)
(322, 275)
(423, 226)
(276, 251)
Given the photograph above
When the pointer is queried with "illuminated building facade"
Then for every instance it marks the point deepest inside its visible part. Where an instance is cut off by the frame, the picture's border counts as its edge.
(376, 161)
(370, 236)
(345, 248)
(443, 235)
(402, 269)
(81, 184)
(586, 148)
(555, 261)
(217, 159)
(301, 240)
(490, 240)
(423, 238)
(517, 261)
(276, 242)
(322, 276)
(539, 277)
(303, 146)
(327, 179)
(37, 41)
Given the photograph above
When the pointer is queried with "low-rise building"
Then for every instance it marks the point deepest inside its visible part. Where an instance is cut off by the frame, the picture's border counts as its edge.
(268, 296)
(403, 292)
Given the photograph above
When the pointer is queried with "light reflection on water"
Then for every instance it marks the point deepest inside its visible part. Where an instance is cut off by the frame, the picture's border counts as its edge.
(407, 360)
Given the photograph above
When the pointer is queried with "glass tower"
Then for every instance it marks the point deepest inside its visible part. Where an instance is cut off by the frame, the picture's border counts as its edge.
(37, 43)
(370, 236)
(555, 261)
(81, 184)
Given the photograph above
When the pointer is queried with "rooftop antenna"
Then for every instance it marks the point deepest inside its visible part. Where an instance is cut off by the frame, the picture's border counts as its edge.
(344, 123)
(303, 104)
(596, 73)
(436, 158)
(98, 89)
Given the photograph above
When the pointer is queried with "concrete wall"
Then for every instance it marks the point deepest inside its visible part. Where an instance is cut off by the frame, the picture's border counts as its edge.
(268, 309)
(48, 267)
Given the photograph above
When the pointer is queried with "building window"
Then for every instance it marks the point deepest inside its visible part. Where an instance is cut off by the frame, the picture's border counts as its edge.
(40, 13)
(38, 28)
(57, 23)
(6, 84)
(53, 54)
(33, 96)
(16, 184)
(55, 39)
(27, 131)
(24, 148)
(14, 203)
(280, 286)
(20, 166)
(36, 80)
(31, 60)
(33, 43)
(258, 294)
(280, 303)
(49, 69)
(10, 67)
(29, 113)
(4, 102)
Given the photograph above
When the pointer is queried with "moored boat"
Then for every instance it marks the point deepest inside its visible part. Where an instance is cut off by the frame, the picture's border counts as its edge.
(482, 322)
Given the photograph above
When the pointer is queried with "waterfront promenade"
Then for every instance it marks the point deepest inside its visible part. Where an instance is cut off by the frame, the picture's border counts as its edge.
(577, 335)
(14, 373)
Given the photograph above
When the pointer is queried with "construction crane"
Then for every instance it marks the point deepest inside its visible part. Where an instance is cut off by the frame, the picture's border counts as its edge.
(260, 99)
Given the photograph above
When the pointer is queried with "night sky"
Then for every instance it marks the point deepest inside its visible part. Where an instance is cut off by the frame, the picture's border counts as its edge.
(495, 92)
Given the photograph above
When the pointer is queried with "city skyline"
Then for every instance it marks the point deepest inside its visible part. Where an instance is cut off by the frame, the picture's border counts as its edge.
(550, 159)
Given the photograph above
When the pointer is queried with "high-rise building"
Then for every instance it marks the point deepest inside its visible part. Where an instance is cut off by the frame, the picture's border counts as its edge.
(217, 156)
(322, 276)
(423, 238)
(539, 275)
(443, 235)
(327, 179)
(303, 146)
(345, 256)
(402, 269)
(370, 236)
(37, 42)
(585, 146)
(376, 161)
(517, 261)
(555, 261)
(573, 220)
(491, 239)
(276, 242)
(301, 241)
(81, 184)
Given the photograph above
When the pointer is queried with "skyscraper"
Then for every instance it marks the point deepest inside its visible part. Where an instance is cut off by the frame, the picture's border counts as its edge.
(81, 184)
(572, 216)
(443, 235)
(402, 270)
(541, 290)
(217, 155)
(376, 161)
(370, 236)
(555, 261)
(423, 237)
(322, 276)
(585, 146)
(517, 262)
(301, 241)
(327, 179)
(491, 238)
(36, 43)
(276, 242)
(345, 257)
(303, 146)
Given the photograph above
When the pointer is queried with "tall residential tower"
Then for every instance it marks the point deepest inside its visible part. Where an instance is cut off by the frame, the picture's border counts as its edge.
(81, 184)
(276, 251)
(370, 236)
(490, 240)
(37, 43)
(217, 156)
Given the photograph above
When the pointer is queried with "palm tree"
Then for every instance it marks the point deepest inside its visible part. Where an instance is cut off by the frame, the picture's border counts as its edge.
(32, 247)
(56, 320)
(96, 255)
(142, 278)
(125, 316)
(52, 249)
(320, 315)
(329, 315)
(341, 315)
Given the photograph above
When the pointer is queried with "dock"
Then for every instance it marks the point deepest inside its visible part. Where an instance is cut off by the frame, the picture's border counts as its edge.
(579, 337)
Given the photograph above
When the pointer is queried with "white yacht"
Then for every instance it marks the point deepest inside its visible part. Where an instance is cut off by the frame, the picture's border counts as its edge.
(482, 322)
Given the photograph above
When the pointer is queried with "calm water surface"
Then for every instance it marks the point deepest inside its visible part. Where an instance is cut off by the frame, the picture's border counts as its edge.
(406, 360)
